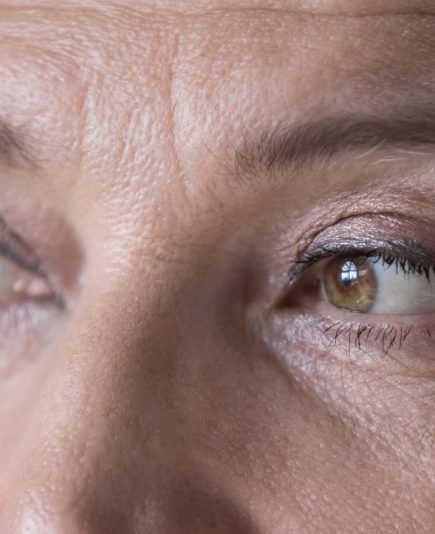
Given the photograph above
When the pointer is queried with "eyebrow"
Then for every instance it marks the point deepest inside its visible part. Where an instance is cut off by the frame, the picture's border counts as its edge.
(14, 147)
(321, 140)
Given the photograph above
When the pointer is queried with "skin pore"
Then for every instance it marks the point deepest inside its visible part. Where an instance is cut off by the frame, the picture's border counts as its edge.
(176, 373)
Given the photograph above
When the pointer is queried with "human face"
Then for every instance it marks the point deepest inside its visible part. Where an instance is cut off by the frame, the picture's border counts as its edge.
(167, 168)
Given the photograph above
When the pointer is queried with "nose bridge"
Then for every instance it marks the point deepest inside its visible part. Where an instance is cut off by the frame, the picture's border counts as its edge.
(96, 403)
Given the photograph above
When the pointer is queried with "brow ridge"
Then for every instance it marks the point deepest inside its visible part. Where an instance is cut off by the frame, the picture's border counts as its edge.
(305, 143)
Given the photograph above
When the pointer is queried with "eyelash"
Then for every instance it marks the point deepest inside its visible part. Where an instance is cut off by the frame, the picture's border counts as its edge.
(357, 333)
(406, 265)
(15, 250)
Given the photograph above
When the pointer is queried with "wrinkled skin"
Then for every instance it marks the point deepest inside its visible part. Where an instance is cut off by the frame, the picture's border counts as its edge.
(168, 392)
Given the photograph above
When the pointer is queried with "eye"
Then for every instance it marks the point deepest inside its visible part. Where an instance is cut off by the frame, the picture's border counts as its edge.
(378, 285)
(18, 284)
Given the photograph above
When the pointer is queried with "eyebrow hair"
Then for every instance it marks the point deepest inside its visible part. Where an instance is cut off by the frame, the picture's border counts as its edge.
(323, 139)
(14, 147)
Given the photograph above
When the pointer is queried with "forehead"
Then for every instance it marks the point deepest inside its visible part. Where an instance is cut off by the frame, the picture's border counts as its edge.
(117, 82)
(345, 7)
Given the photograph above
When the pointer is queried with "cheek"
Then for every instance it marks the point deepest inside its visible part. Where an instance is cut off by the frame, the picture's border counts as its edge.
(342, 410)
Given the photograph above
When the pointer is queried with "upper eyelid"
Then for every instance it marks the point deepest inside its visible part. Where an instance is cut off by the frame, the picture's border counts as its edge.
(15, 249)
(406, 251)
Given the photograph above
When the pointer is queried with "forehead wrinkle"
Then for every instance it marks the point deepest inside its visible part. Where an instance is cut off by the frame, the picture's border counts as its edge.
(251, 12)
(345, 8)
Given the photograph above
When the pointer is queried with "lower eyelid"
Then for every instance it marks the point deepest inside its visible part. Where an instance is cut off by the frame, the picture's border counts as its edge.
(358, 335)
(25, 331)
(365, 332)
(408, 336)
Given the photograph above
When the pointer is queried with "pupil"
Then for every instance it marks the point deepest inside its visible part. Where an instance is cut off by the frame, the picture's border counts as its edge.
(348, 273)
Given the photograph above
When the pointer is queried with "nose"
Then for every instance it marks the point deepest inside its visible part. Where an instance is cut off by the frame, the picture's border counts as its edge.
(109, 440)
(93, 429)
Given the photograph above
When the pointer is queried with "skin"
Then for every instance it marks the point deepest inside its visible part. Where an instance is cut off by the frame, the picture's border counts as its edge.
(170, 392)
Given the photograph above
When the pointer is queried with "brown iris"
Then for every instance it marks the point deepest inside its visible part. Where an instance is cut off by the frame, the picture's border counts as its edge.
(350, 283)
